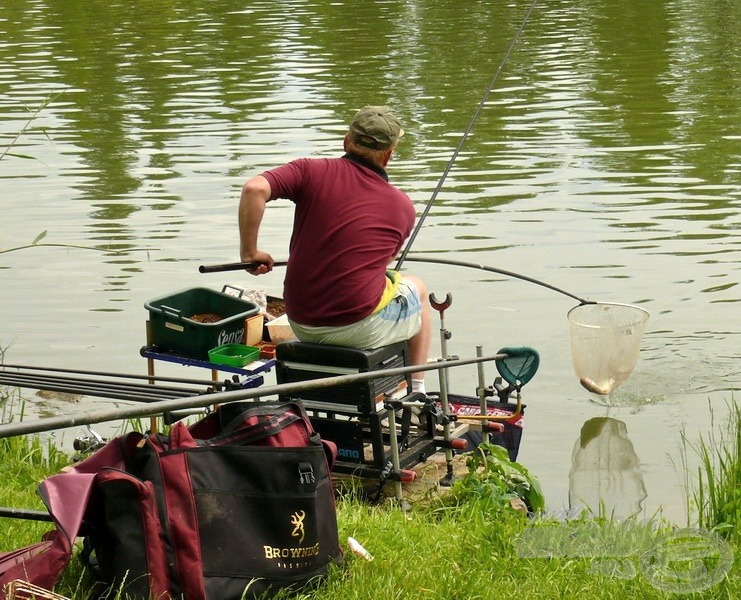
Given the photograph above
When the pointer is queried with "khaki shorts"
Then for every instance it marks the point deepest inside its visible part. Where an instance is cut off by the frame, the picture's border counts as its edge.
(399, 320)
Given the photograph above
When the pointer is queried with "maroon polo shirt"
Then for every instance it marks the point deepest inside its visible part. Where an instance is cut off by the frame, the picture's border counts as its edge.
(349, 223)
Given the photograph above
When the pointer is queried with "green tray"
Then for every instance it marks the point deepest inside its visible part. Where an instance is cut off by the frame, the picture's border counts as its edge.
(234, 355)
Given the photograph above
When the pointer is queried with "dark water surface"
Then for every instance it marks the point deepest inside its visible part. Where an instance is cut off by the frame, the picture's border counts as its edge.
(606, 161)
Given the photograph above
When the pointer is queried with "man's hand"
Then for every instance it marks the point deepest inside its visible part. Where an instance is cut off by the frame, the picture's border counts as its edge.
(263, 260)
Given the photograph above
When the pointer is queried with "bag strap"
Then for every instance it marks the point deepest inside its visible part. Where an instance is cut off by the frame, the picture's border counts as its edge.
(330, 452)
(236, 419)
(261, 428)
(257, 423)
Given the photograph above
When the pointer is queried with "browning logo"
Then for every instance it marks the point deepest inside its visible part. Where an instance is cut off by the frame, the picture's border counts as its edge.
(274, 552)
(298, 557)
(297, 520)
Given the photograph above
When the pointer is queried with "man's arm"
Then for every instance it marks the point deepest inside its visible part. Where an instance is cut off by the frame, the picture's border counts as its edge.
(255, 195)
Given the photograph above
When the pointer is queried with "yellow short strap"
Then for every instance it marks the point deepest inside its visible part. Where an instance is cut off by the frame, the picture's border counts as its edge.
(393, 278)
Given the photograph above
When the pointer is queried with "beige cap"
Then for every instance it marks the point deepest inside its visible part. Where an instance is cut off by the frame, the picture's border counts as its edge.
(376, 127)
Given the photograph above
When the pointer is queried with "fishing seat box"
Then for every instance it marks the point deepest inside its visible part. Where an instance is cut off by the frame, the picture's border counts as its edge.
(171, 328)
(352, 415)
(301, 361)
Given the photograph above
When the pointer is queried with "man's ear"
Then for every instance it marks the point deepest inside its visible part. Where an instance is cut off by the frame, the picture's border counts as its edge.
(387, 156)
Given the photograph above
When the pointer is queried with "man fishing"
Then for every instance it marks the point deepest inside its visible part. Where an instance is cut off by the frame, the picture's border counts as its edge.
(349, 224)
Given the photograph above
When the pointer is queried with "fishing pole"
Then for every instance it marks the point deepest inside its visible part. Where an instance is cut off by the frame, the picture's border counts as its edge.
(464, 137)
(7, 368)
(89, 417)
(460, 263)
(238, 266)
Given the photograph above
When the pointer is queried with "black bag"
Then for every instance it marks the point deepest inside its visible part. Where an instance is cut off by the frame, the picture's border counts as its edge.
(236, 505)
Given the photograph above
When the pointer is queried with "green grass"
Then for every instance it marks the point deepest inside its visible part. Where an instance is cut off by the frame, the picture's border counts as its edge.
(466, 543)
(24, 463)
(715, 494)
(457, 546)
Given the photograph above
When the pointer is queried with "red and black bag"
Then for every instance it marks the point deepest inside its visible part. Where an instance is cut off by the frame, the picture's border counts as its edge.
(238, 504)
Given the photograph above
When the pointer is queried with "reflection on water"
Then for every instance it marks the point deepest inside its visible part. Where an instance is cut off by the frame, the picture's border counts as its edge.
(605, 475)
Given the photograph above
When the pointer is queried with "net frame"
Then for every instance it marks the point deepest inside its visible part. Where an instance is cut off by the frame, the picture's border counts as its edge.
(519, 366)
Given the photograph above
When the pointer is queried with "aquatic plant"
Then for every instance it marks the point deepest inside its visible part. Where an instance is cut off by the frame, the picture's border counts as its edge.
(33, 116)
(494, 482)
(8, 152)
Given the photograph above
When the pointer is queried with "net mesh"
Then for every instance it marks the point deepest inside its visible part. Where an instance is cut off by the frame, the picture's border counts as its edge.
(519, 366)
(605, 342)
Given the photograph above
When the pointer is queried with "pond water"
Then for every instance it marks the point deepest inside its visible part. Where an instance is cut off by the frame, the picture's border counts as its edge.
(605, 161)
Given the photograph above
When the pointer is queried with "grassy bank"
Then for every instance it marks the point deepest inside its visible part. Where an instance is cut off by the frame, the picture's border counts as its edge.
(465, 544)
(471, 541)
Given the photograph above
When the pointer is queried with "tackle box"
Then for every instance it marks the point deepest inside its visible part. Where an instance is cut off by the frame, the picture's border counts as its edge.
(175, 323)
